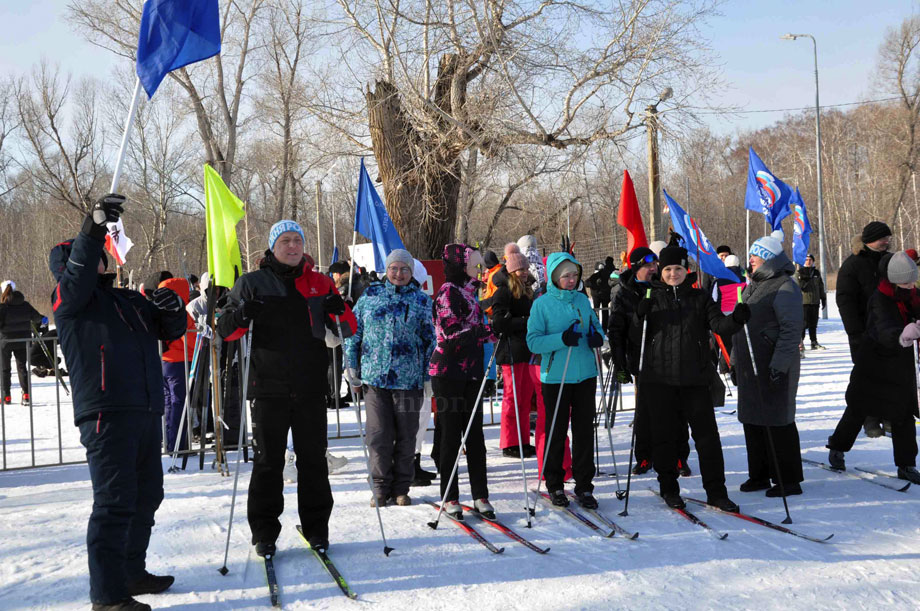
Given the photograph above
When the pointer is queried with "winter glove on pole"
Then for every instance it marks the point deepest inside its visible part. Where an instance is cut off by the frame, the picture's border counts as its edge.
(108, 209)
(643, 307)
(777, 379)
(741, 313)
(166, 299)
(595, 339)
(250, 310)
(910, 334)
(333, 304)
(571, 335)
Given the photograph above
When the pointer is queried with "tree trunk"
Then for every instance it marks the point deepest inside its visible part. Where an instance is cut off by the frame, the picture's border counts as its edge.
(421, 179)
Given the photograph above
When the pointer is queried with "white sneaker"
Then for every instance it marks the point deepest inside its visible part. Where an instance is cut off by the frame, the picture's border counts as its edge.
(290, 467)
(453, 509)
(335, 462)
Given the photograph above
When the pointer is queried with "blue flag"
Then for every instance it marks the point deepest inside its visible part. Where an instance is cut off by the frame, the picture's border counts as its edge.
(766, 193)
(335, 255)
(373, 222)
(801, 230)
(697, 244)
(175, 33)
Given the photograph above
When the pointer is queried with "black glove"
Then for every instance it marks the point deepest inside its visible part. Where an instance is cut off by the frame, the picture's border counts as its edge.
(570, 336)
(334, 305)
(106, 210)
(166, 299)
(251, 309)
(595, 339)
(777, 379)
(643, 308)
(741, 313)
(622, 374)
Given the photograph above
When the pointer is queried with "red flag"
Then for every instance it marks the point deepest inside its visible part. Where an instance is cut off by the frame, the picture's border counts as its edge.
(628, 215)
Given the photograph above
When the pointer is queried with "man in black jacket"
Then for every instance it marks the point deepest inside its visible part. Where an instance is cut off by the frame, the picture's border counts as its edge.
(599, 283)
(292, 310)
(109, 338)
(856, 282)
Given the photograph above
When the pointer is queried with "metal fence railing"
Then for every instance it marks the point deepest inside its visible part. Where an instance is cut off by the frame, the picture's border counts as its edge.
(42, 433)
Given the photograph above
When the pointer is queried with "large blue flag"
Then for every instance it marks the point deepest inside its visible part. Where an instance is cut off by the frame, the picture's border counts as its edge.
(801, 230)
(766, 193)
(175, 33)
(697, 244)
(373, 222)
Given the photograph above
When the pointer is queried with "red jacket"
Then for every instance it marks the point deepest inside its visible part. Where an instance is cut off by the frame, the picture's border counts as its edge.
(173, 351)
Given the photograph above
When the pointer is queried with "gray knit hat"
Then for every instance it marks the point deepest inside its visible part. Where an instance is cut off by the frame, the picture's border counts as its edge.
(402, 256)
(901, 269)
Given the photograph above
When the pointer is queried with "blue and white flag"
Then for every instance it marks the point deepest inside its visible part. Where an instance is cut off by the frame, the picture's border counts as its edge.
(173, 34)
(697, 244)
(801, 230)
(373, 222)
(766, 193)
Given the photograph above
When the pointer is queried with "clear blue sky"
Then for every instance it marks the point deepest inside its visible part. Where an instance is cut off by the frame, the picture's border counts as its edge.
(764, 72)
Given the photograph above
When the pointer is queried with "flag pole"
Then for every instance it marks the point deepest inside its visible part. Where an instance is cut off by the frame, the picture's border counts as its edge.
(119, 162)
(351, 271)
(747, 235)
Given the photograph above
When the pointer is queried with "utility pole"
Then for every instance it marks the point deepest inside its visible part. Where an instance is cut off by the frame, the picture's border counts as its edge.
(654, 176)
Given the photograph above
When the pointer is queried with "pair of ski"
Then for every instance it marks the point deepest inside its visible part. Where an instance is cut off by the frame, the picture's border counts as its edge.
(607, 527)
(496, 524)
(740, 515)
(866, 476)
(274, 592)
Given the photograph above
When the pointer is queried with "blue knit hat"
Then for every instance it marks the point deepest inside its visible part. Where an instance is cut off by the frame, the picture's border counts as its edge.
(282, 227)
(768, 246)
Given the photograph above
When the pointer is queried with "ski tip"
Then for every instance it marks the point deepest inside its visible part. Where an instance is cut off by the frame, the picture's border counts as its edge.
(633, 536)
(722, 536)
(387, 550)
(904, 488)
(828, 538)
(223, 570)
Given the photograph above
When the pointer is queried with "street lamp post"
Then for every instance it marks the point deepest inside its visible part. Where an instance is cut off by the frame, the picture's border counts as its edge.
(821, 236)
(654, 177)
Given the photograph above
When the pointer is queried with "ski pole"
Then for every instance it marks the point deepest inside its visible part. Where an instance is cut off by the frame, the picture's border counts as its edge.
(632, 444)
(552, 427)
(469, 426)
(367, 461)
(611, 420)
(779, 477)
(183, 419)
(247, 354)
(517, 418)
(606, 407)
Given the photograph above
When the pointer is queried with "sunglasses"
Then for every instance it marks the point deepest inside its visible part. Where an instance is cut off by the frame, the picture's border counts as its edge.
(650, 258)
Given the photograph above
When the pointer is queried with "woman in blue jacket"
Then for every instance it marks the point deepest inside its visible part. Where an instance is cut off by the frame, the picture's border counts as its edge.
(564, 328)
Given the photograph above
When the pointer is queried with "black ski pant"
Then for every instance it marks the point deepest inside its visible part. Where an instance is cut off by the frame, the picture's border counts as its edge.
(760, 458)
(810, 311)
(903, 435)
(123, 453)
(642, 422)
(17, 349)
(604, 313)
(271, 420)
(456, 403)
(672, 408)
(392, 424)
(578, 404)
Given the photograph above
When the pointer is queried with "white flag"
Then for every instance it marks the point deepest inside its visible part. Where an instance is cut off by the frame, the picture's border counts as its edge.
(117, 243)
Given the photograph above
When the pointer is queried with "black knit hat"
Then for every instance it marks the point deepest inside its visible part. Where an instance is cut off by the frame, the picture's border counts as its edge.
(875, 230)
(724, 248)
(638, 255)
(673, 255)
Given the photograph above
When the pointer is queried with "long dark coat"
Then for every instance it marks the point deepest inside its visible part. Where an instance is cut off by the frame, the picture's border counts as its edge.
(776, 330)
(883, 381)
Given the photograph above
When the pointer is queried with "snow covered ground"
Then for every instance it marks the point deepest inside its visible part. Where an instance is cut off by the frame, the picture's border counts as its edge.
(870, 563)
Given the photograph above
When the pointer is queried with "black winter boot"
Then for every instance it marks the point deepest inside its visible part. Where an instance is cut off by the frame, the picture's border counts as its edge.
(836, 460)
(128, 604)
(150, 584)
(725, 504)
(421, 477)
(910, 474)
(559, 498)
(674, 500)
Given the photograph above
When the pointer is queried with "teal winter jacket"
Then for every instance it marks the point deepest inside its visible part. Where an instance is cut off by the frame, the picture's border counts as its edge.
(395, 336)
(553, 313)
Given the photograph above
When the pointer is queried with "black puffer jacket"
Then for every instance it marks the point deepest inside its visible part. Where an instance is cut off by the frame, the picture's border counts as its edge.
(289, 351)
(677, 338)
(509, 322)
(17, 316)
(856, 281)
(883, 379)
(108, 335)
(812, 286)
(625, 336)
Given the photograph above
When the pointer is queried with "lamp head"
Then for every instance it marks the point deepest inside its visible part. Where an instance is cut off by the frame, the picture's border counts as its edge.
(788, 37)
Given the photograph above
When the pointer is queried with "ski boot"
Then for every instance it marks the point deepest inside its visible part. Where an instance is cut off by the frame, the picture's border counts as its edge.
(817, 346)
(725, 504)
(334, 463)
(683, 469)
(641, 467)
(558, 498)
(484, 507)
(150, 584)
(26, 400)
(673, 500)
(910, 474)
(128, 604)
(586, 500)
(453, 509)
(835, 459)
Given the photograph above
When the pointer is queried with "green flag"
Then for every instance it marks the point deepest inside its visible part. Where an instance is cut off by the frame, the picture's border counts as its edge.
(223, 210)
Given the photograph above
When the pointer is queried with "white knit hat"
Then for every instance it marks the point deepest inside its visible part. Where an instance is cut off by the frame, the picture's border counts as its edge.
(901, 269)
(768, 246)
